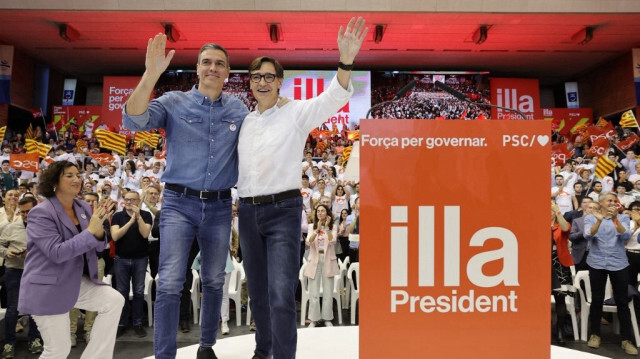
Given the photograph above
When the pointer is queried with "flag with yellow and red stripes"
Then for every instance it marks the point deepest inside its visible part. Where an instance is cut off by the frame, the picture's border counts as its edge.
(604, 166)
(112, 141)
(34, 146)
(628, 119)
(149, 138)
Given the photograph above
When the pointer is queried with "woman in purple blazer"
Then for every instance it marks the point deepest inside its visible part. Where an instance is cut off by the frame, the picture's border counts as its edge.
(61, 270)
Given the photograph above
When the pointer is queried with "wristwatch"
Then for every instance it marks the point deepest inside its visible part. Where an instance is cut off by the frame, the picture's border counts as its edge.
(345, 67)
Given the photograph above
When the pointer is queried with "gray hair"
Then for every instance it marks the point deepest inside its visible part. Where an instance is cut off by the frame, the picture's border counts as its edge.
(603, 195)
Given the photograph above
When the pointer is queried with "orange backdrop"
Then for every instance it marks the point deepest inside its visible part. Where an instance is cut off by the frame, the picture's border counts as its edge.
(486, 292)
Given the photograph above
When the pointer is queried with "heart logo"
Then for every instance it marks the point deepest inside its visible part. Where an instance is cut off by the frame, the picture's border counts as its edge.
(543, 140)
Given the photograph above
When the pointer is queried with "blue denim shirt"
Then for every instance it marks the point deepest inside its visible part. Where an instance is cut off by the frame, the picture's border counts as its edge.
(607, 245)
(202, 137)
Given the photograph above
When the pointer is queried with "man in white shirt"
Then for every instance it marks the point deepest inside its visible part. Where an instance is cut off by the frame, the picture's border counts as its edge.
(270, 141)
(325, 164)
(154, 173)
(308, 164)
(155, 159)
(62, 155)
(306, 193)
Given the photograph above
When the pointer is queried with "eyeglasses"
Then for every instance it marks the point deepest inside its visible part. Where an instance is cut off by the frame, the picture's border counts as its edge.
(635, 209)
(268, 77)
(130, 199)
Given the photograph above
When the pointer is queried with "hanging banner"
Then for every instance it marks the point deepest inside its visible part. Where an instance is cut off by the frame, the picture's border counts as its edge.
(304, 85)
(115, 93)
(520, 94)
(78, 120)
(6, 63)
(69, 92)
(456, 264)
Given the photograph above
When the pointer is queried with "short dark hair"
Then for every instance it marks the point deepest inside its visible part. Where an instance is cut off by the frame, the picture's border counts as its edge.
(213, 46)
(559, 176)
(27, 200)
(5, 161)
(634, 204)
(92, 194)
(51, 176)
(305, 177)
(257, 63)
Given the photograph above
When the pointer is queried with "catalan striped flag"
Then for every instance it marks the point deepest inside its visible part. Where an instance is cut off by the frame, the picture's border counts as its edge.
(3, 130)
(81, 145)
(628, 119)
(604, 166)
(353, 135)
(112, 141)
(30, 132)
(345, 154)
(602, 122)
(34, 146)
(149, 138)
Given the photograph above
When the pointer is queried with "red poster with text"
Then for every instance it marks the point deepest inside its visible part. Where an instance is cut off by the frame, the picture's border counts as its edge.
(455, 255)
(115, 93)
(520, 94)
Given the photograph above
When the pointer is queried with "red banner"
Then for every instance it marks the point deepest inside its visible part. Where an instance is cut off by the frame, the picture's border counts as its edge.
(520, 94)
(115, 92)
(628, 142)
(568, 121)
(598, 147)
(24, 161)
(560, 154)
(79, 120)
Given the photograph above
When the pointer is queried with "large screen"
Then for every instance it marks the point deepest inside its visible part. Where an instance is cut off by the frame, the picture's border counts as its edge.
(426, 101)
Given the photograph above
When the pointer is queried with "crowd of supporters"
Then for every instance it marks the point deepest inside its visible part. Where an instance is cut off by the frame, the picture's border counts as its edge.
(135, 178)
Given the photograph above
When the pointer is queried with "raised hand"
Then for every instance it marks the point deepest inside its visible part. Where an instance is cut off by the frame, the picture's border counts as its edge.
(350, 40)
(100, 214)
(156, 62)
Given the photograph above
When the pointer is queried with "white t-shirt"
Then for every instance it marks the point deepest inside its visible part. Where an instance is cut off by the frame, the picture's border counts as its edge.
(307, 169)
(306, 198)
(564, 202)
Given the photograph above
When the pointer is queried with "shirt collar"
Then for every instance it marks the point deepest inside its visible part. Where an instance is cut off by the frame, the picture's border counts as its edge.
(202, 98)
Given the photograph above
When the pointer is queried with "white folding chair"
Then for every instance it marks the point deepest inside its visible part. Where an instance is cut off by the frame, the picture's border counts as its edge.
(582, 279)
(355, 288)
(235, 288)
(304, 289)
(195, 295)
(345, 289)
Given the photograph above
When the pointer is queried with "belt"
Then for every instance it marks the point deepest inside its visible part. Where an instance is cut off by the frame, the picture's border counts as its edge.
(271, 198)
(224, 194)
(321, 252)
(633, 250)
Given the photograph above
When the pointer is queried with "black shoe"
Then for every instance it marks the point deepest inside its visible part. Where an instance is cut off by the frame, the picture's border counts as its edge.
(185, 327)
(206, 353)
(140, 332)
(121, 331)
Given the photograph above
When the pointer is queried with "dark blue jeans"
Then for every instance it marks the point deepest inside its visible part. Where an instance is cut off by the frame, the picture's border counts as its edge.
(184, 218)
(12, 282)
(131, 272)
(270, 241)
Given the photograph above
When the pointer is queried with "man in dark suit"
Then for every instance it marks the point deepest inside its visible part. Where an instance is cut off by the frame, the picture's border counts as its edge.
(579, 249)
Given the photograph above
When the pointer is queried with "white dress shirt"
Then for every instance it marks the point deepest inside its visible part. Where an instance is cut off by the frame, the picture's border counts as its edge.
(270, 143)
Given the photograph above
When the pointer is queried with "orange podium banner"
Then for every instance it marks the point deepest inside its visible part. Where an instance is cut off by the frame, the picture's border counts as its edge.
(455, 250)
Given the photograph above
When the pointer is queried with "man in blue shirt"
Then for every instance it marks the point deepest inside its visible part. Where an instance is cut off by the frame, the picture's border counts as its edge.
(202, 127)
(607, 231)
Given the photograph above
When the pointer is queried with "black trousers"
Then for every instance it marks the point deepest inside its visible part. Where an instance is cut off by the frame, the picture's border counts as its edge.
(619, 283)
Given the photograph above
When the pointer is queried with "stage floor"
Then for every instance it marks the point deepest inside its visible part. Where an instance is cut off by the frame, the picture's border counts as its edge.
(344, 345)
